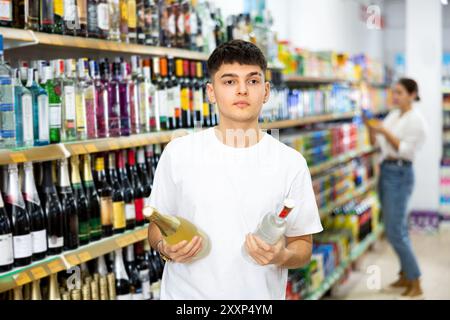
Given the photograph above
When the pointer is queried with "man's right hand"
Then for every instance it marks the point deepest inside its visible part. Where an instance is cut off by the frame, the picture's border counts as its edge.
(182, 252)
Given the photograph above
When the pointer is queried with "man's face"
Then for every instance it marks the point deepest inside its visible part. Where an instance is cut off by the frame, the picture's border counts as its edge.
(239, 91)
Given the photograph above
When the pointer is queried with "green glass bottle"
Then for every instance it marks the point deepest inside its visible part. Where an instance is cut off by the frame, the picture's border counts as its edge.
(54, 103)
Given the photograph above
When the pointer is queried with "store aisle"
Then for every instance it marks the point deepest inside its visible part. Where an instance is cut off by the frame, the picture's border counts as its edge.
(433, 252)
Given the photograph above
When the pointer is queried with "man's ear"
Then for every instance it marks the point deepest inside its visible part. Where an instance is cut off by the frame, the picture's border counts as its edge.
(210, 92)
(267, 92)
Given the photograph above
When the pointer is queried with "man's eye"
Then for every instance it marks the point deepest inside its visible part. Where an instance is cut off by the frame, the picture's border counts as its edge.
(229, 82)
(253, 81)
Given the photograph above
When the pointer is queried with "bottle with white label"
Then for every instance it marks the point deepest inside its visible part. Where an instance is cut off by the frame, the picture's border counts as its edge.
(80, 101)
(6, 240)
(142, 264)
(24, 113)
(133, 274)
(21, 226)
(122, 280)
(34, 208)
(69, 132)
(41, 128)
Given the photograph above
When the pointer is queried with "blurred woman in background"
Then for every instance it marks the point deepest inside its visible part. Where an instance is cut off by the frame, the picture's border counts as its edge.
(399, 137)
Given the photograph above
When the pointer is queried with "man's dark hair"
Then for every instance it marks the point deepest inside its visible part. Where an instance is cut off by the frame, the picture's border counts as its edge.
(236, 51)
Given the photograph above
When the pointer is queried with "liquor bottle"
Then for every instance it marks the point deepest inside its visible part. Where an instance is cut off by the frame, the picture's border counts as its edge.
(189, 21)
(206, 104)
(123, 20)
(144, 96)
(175, 229)
(118, 217)
(90, 95)
(156, 155)
(81, 18)
(7, 118)
(92, 19)
(135, 105)
(69, 207)
(115, 18)
(18, 14)
(68, 132)
(4, 181)
(128, 192)
(53, 89)
(122, 283)
(37, 217)
(158, 262)
(213, 113)
(142, 265)
(114, 101)
(23, 113)
(132, 21)
(32, 15)
(20, 219)
(133, 274)
(41, 128)
(149, 162)
(6, 16)
(180, 24)
(140, 27)
(190, 80)
(101, 97)
(163, 22)
(80, 101)
(172, 96)
(46, 16)
(171, 31)
(54, 293)
(53, 212)
(58, 16)
(93, 202)
(105, 193)
(124, 98)
(137, 187)
(159, 72)
(104, 22)
(84, 218)
(152, 26)
(102, 270)
(153, 105)
(185, 94)
(197, 71)
(143, 173)
(70, 15)
(155, 281)
(6, 240)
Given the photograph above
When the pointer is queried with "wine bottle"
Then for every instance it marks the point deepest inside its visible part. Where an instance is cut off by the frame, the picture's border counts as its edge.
(69, 132)
(91, 103)
(6, 240)
(53, 211)
(32, 15)
(102, 270)
(158, 262)
(133, 274)
(70, 21)
(84, 218)
(132, 21)
(92, 19)
(124, 94)
(46, 16)
(80, 101)
(36, 290)
(123, 4)
(175, 229)
(142, 265)
(114, 110)
(54, 293)
(58, 16)
(119, 221)
(101, 96)
(197, 73)
(135, 104)
(128, 192)
(145, 96)
(149, 162)
(34, 208)
(104, 19)
(137, 187)
(81, 18)
(122, 283)
(152, 26)
(93, 202)
(69, 207)
(155, 281)
(140, 8)
(21, 226)
(153, 119)
(4, 181)
(24, 113)
(143, 174)
(105, 193)
(185, 93)
(115, 19)
(53, 89)
(18, 294)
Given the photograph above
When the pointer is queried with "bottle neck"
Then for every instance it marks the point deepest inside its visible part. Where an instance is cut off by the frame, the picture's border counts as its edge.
(141, 156)
(14, 196)
(130, 253)
(64, 180)
(47, 176)
(101, 266)
(119, 267)
(87, 172)
(131, 158)
(75, 166)
(167, 225)
(29, 185)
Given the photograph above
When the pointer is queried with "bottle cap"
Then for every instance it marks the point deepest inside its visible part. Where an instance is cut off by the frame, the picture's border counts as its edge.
(288, 205)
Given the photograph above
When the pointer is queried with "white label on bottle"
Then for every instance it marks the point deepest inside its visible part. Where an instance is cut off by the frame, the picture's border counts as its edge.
(39, 239)
(43, 117)
(171, 25)
(162, 98)
(69, 103)
(145, 280)
(198, 100)
(55, 115)
(103, 16)
(155, 288)
(22, 246)
(55, 242)
(124, 297)
(137, 296)
(6, 10)
(27, 118)
(69, 10)
(170, 102)
(193, 23)
(130, 211)
(6, 249)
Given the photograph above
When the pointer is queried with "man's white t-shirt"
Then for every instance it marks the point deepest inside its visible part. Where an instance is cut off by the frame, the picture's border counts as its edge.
(226, 191)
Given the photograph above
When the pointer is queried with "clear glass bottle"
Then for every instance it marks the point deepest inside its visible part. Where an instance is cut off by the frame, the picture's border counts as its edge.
(54, 101)
(80, 101)
(101, 93)
(91, 102)
(7, 117)
(114, 16)
(69, 132)
(23, 113)
(41, 129)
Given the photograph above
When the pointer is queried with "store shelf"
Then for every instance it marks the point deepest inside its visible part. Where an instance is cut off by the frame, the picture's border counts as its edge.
(16, 38)
(295, 79)
(33, 154)
(337, 274)
(314, 170)
(307, 120)
(54, 264)
(362, 190)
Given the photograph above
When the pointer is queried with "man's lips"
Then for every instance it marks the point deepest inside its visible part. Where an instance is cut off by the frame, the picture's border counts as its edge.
(241, 104)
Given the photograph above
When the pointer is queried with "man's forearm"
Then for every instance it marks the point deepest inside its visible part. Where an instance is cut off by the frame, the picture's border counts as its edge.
(296, 254)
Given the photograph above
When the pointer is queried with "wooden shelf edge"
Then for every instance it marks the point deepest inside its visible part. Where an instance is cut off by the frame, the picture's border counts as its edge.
(306, 121)
(69, 259)
(33, 154)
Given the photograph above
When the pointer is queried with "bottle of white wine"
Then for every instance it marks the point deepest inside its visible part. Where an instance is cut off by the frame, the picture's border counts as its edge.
(122, 280)
(176, 229)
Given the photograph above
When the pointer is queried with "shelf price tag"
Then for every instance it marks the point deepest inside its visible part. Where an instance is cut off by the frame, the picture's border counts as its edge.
(56, 266)
(18, 157)
(91, 148)
(73, 260)
(78, 149)
(142, 234)
(22, 278)
(113, 145)
(38, 273)
(84, 256)
(126, 240)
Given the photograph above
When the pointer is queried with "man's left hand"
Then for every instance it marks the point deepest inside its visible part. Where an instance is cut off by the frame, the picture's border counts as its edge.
(263, 253)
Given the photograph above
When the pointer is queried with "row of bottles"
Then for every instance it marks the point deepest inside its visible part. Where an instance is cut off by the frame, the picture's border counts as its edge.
(131, 273)
(64, 100)
(39, 217)
(169, 23)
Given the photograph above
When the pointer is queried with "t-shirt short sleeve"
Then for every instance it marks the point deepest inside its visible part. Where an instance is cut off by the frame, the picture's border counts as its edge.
(164, 190)
(304, 219)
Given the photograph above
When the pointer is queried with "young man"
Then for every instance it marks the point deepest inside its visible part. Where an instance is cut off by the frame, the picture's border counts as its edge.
(224, 180)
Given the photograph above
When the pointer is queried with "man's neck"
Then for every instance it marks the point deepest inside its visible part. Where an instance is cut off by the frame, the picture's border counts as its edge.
(239, 135)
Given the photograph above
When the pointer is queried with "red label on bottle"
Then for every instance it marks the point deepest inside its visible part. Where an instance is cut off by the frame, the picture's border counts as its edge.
(284, 213)
(139, 207)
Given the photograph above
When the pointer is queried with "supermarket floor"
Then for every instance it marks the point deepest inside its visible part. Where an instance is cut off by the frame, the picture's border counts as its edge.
(433, 252)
